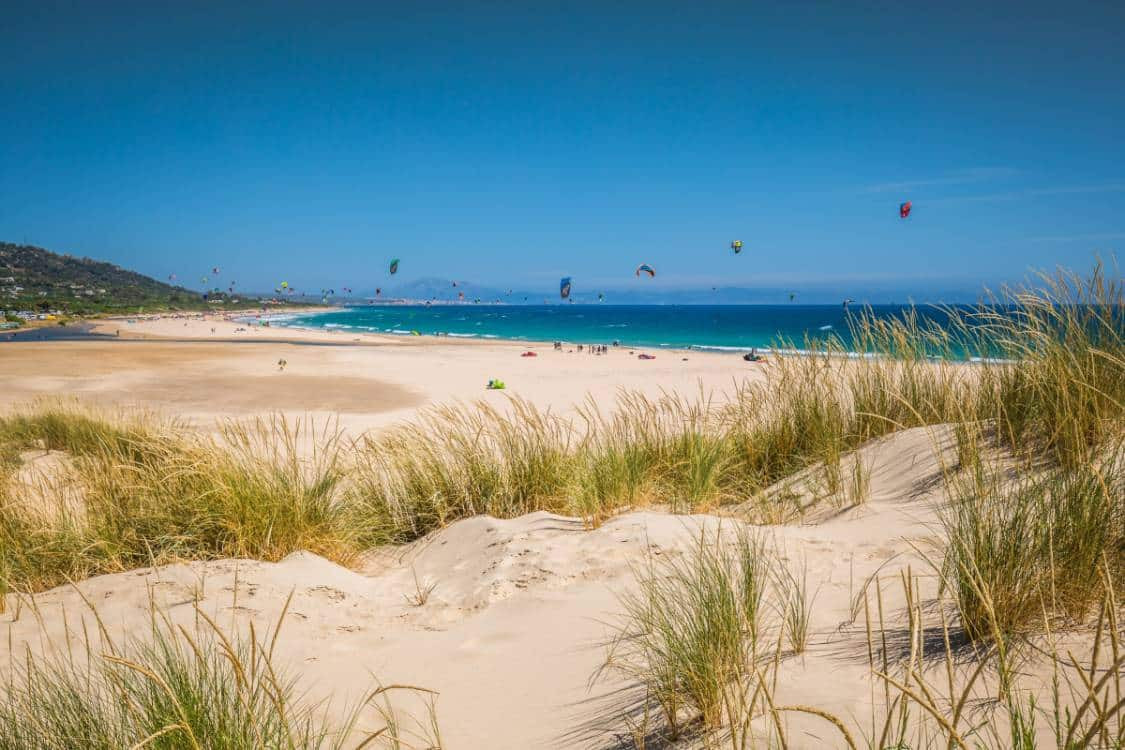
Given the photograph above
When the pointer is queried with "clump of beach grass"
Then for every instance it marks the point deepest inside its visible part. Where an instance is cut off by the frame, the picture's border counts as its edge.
(81, 430)
(179, 687)
(1062, 392)
(460, 461)
(1021, 539)
(699, 628)
(162, 497)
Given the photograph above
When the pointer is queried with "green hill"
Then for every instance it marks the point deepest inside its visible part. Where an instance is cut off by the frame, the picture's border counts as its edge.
(32, 278)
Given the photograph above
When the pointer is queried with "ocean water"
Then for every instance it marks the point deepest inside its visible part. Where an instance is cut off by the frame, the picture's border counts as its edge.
(719, 327)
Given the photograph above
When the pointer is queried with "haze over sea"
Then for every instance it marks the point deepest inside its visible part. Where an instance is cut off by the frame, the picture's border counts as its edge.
(720, 327)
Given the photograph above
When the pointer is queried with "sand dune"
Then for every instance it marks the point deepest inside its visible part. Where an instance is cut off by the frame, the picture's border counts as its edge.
(520, 609)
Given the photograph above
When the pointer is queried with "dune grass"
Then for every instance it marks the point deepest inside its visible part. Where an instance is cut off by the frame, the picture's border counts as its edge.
(151, 495)
(695, 634)
(694, 627)
(1022, 541)
(1049, 390)
(182, 688)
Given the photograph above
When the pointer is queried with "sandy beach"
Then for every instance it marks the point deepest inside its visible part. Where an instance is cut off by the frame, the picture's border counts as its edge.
(203, 369)
(562, 376)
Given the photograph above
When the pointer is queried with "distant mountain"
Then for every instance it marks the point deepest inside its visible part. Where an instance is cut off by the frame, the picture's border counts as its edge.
(34, 278)
(444, 289)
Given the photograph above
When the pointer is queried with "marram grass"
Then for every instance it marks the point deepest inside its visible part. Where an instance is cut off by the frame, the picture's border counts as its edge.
(182, 688)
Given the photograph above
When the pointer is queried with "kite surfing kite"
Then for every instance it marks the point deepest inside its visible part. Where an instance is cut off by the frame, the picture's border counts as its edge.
(394, 266)
(215, 271)
(564, 287)
(847, 302)
(792, 296)
(904, 209)
(601, 297)
(646, 268)
(736, 245)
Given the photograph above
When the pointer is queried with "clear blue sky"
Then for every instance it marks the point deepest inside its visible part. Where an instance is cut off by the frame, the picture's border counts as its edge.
(513, 142)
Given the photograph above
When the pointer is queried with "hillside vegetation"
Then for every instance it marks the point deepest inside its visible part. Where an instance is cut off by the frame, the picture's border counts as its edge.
(32, 278)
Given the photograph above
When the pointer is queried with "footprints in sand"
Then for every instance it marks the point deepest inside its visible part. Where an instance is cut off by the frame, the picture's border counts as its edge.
(327, 592)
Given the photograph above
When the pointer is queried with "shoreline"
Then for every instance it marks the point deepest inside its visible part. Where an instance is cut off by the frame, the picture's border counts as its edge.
(717, 349)
(239, 327)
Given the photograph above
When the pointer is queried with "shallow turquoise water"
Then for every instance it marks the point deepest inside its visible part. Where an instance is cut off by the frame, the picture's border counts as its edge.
(733, 327)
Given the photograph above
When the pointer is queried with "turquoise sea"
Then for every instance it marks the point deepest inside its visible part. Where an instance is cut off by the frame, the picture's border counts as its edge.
(718, 327)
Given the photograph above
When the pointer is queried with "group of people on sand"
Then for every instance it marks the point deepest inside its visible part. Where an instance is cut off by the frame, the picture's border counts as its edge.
(597, 349)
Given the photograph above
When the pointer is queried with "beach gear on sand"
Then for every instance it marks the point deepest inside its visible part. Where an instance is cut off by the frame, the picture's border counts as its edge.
(495, 385)
(646, 356)
(529, 354)
(751, 357)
